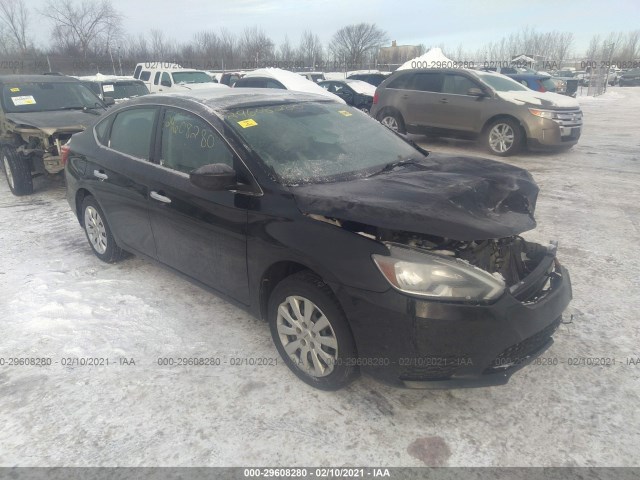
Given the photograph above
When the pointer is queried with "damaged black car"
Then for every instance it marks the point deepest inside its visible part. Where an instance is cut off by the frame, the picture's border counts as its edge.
(364, 252)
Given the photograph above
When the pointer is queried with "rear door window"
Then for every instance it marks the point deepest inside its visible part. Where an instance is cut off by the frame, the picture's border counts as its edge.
(132, 131)
(145, 76)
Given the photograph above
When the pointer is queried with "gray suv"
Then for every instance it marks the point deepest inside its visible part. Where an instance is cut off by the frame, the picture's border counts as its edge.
(490, 107)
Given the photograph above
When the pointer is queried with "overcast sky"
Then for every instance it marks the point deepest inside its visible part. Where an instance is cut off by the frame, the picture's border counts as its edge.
(471, 23)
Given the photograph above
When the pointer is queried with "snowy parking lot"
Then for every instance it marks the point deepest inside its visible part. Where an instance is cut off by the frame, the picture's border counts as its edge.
(576, 407)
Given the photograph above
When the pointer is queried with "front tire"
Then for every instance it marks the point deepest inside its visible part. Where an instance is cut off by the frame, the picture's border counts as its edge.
(311, 332)
(17, 172)
(98, 232)
(504, 137)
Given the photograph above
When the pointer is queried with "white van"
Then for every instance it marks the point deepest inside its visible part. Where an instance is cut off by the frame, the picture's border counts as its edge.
(170, 77)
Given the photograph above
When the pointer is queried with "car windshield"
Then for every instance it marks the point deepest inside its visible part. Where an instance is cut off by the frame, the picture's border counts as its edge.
(191, 77)
(500, 83)
(120, 90)
(47, 96)
(318, 142)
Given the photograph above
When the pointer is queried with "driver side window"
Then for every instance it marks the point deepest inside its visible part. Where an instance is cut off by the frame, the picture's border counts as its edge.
(188, 142)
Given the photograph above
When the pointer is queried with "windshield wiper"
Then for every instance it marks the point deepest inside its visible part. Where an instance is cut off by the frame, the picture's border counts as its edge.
(399, 163)
(92, 110)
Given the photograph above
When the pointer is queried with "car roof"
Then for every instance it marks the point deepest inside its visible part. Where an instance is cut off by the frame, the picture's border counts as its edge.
(230, 98)
(36, 79)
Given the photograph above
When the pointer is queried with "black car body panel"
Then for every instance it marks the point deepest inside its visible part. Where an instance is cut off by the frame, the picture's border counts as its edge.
(461, 198)
(239, 242)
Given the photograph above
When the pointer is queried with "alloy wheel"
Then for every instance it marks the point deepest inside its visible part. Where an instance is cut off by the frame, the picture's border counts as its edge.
(390, 122)
(96, 231)
(501, 138)
(307, 336)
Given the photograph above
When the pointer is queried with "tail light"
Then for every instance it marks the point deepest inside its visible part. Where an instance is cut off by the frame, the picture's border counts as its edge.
(64, 153)
(375, 98)
(541, 87)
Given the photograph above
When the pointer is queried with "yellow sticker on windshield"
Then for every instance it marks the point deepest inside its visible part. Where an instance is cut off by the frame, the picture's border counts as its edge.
(345, 113)
(248, 123)
(15, 89)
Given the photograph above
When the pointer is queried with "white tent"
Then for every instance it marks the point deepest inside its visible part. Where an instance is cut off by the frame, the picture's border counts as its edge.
(434, 58)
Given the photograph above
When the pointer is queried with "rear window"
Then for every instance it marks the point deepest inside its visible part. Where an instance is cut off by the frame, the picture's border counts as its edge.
(120, 90)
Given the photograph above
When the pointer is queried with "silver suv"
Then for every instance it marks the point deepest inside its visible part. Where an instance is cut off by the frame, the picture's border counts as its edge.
(491, 107)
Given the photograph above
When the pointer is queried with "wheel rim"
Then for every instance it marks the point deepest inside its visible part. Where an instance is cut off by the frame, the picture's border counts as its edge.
(7, 171)
(501, 138)
(307, 336)
(390, 122)
(96, 231)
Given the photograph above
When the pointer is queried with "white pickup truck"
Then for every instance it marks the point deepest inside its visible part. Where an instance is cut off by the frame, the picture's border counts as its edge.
(170, 77)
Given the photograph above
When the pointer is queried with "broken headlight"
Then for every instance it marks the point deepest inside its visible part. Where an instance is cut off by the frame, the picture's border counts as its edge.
(437, 277)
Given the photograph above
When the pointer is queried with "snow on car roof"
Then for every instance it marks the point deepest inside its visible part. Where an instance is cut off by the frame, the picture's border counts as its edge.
(361, 87)
(99, 77)
(292, 81)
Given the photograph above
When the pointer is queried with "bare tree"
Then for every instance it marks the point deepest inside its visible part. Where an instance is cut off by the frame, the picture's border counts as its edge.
(285, 52)
(310, 50)
(87, 26)
(352, 43)
(15, 17)
(255, 45)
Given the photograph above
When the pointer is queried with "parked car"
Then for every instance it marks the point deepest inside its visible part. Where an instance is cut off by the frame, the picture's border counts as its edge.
(313, 76)
(38, 115)
(276, 78)
(229, 78)
(566, 82)
(527, 77)
(491, 107)
(630, 78)
(373, 78)
(165, 77)
(362, 252)
(113, 87)
(356, 93)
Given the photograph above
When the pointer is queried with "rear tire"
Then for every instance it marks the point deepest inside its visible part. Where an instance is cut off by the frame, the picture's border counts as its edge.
(504, 137)
(16, 168)
(392, 120)
(98, 232)
(311, 332)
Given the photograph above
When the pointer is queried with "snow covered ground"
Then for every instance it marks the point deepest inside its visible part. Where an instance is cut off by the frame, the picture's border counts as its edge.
(59, 301)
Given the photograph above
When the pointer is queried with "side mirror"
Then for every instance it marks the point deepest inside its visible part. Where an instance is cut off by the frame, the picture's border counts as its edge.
(108, 101)
(215, 176)
(476, 92)
(165, 83)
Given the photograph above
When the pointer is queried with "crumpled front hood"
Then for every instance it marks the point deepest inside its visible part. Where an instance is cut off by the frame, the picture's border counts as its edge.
(461, 198)
(51, 122)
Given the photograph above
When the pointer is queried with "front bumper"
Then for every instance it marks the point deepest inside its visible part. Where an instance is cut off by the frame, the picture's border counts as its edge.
(544, 133)
(414, 343)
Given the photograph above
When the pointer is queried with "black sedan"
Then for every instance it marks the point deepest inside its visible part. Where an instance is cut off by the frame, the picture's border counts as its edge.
(356, 93)
(361, 250)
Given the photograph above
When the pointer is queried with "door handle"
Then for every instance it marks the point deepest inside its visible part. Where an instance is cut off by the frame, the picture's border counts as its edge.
(405, 96)
(444, 100)
(160, 198)
(100, 174)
